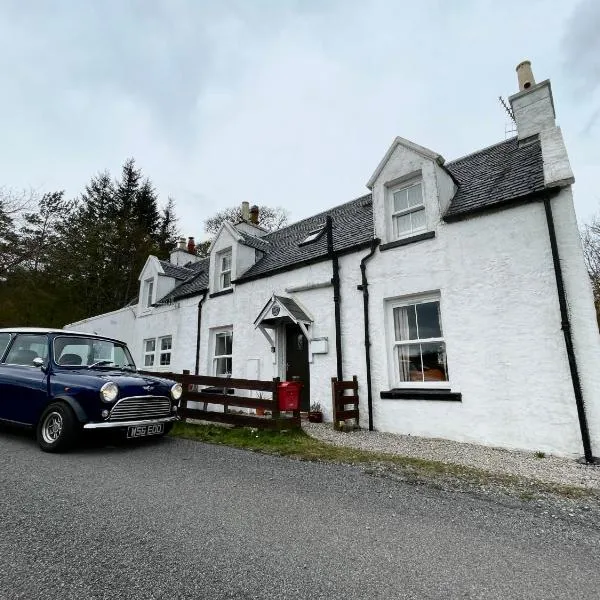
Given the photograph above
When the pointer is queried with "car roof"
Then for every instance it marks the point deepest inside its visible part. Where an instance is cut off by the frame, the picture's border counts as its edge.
(49, 330)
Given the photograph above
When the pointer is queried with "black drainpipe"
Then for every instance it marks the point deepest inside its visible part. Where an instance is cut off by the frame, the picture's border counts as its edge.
(566, 327)
(196, 372)
(364, 287)
(335, 280)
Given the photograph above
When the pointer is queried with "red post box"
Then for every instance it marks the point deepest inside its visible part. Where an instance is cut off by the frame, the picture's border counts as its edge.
(289, 395)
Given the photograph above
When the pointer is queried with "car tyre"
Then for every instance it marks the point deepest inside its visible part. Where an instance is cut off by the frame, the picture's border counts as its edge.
(58, 428)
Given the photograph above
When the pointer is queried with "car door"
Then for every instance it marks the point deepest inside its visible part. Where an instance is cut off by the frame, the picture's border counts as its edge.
(23, 385)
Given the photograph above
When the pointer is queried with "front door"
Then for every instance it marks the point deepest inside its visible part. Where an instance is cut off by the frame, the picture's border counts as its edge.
(296, 357)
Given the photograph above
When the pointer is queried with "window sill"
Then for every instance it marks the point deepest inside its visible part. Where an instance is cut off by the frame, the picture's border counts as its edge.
(221, 293)
(444, 395)
(407, 240)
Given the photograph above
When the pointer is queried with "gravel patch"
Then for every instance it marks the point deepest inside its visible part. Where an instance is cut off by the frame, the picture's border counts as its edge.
(550, 469)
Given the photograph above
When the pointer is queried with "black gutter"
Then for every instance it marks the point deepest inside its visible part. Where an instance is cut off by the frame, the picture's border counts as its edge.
(335, 280)
(566, 327)
(364, 287)
(198, 330)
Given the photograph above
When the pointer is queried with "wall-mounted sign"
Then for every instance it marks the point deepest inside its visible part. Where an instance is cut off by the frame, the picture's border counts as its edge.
(275, 310)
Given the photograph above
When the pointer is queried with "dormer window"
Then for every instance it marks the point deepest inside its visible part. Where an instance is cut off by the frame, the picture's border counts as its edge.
(224, 269)
(407, 210)
(148, 292)
(313, 236)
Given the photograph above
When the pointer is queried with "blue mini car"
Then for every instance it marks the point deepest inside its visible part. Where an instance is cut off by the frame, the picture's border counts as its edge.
(63, 383)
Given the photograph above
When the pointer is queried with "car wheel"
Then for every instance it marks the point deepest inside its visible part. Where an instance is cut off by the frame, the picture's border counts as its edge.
(57, 429)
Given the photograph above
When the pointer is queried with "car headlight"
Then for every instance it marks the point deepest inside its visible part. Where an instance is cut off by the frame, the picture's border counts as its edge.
(176, 391)
(109, 391)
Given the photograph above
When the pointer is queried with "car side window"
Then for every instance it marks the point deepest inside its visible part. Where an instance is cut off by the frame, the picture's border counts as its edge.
(25, 348)
(4, 339)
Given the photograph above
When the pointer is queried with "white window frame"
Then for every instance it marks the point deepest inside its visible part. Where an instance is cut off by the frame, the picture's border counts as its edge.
(222, 272)
(214, 356)
(148, 294)
(167, 351)
(146, 353)
(406, 185)
(390, 305)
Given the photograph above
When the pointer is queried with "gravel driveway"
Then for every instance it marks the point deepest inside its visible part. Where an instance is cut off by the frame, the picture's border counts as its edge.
(549, 469)
(177, 519)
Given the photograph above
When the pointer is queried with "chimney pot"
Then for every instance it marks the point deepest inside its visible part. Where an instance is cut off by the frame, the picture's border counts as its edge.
(525, 75)
(246, 211)
(191, 246)
(181, 243)
(254, 214)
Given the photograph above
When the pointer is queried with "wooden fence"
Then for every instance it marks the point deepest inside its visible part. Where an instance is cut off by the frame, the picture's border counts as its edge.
(344, 393)
(220, 391)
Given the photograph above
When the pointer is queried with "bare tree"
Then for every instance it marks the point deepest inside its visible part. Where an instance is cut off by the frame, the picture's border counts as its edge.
(591, 248)
(271, 219)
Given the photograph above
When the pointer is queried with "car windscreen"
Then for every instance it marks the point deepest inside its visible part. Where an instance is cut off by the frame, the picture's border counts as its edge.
(75, 351)
(4, 339)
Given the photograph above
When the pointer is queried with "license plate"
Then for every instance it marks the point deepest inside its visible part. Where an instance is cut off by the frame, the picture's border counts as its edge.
(143, 430)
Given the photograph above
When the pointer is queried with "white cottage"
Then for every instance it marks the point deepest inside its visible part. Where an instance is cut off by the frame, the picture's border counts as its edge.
(455, 291)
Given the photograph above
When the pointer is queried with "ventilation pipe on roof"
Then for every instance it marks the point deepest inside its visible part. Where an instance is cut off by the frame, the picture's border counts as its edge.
(525, 75)
(245, 211)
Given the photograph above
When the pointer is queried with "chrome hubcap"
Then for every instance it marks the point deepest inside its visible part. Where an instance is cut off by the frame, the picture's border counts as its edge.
(52, 427)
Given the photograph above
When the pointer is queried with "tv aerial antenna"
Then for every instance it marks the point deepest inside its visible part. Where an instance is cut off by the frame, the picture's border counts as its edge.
(510, 127)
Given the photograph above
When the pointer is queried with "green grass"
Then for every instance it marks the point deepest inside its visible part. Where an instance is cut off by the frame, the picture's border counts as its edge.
(299, 445)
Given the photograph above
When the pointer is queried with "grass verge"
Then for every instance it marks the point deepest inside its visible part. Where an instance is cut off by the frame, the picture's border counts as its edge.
(299, 445)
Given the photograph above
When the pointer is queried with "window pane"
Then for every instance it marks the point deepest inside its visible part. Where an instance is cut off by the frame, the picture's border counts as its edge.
(418, 219)
(226, 280)
(434, 361)
(402, 225)
(226, 262)
(223, 344)
(165, 358)
(4, 339)
(405, 323)
(408, 361)
(228, 343)
(150, 345)
(149, 360)
(223, 366)
(165, 343)
(400, 200)
(428, 317)
(26, 348)
(415, 195)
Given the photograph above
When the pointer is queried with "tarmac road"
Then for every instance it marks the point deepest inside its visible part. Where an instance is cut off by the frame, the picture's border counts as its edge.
(180, 519)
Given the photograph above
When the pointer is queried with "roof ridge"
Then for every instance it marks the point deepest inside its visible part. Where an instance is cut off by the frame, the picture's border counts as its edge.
(324, 212)
(455, 160)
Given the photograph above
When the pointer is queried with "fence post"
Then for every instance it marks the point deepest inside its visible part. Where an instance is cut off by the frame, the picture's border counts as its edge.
(185, 390)
(334, 400)
(275, 396)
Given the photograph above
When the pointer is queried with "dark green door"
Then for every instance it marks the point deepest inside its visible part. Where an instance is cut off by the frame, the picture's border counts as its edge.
(296, 356)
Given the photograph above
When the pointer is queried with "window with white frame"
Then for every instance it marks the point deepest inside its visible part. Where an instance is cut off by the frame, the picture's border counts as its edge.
(223, 351)
(157, 351)
(224, 270)
(407, 210)
(165, 345)
(149, 351)
(418, 347)
(148, 292)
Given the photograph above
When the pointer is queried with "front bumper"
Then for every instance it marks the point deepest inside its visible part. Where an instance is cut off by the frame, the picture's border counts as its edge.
(117, 424)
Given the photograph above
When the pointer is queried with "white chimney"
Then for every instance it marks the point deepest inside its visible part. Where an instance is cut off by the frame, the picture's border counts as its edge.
(532, 105)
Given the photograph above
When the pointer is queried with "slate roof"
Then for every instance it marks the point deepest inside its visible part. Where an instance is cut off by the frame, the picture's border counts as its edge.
(352, 226)
(293, 308)
(486, 179)
(175, 271)
(196, 283)
(254, 241)
(495, 175)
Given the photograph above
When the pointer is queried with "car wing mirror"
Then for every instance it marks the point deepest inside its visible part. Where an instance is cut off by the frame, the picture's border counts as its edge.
(38, 362)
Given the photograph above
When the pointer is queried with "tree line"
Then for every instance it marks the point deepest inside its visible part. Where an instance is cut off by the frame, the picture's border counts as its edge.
(64, 259)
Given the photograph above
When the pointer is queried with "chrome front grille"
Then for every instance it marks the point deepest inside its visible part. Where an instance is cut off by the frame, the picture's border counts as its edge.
(140, 407)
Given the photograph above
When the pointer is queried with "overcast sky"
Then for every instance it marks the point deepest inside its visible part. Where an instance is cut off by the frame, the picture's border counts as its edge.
(289, 103)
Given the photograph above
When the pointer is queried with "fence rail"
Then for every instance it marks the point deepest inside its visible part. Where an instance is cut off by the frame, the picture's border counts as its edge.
(210, 390)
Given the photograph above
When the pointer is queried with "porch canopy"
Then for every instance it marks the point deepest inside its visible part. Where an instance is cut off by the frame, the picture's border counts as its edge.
(278, 311)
